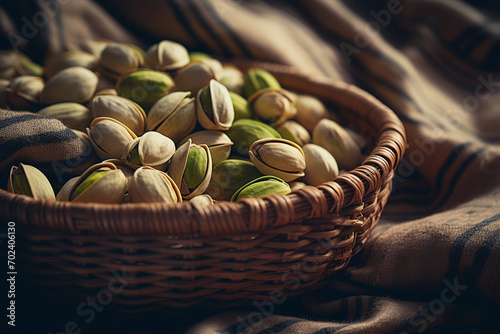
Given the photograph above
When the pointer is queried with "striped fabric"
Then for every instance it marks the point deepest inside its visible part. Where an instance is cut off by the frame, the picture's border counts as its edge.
(43, 142)
(433, 263)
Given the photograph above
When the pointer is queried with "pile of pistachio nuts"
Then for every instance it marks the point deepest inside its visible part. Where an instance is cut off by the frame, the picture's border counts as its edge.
(170, 125)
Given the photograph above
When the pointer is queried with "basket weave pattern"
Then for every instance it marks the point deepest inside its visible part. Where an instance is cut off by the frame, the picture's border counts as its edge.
(184, 255)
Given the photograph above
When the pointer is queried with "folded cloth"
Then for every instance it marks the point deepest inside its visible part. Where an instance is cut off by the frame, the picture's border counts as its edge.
(432, 264)
(43, 142)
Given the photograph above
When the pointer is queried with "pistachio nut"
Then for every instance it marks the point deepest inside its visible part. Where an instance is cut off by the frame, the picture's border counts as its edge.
(262, 186)
(174, 115)
(321, 166)
(125, 168)
(167, 56)
(228, 176)
(245, 132)
(278, 157)
(117, 59)
(144, 86)
(310, 110)
(240, 106)
(68, 59)
(15, 63)
(295, 132)
(100, 183)
(338, 142)
(232, 78)
(24, 92)
(197, 75)
(257, 79)
(63, 194)
(109, 137)
(122, 109)
(28, 180)
(73, 115)
(218, 143)
(73, 84)
(214, 107)
(191, 169)
(197, 55)
(106, 91)
(272, 105)
(151, 149)
(202, 200)
(152, 185)
(3, 93)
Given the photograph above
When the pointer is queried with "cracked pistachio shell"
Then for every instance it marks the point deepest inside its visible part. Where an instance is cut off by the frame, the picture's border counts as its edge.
(121, 165)
(218, 143)
(68, 59)
(122, 109)
(100, 183)
(15, 63)
(151, 149)
(109, 137)
(295, 132)
(63, 194)
(202, 200)
(274, 106)
(230, 175)
(310, 110)
(232, 78)
(257, 79)
(174, 115)
(336, 140)
(321, 166)
(278, 157)
(74, 84)
(262, 186)
(152, 185)
(191, 169)
(117, 59)
(214, 107)
(24, 91)
(167, 56)
(144, 86)
(73, 115)
(197, 75)
(28, 180)
(241, 107)
(245, 132)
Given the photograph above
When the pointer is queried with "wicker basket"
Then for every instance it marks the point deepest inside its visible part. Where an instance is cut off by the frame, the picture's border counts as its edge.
(178, 256)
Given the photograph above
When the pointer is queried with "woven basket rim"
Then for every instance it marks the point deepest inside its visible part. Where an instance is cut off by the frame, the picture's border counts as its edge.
(249, 215)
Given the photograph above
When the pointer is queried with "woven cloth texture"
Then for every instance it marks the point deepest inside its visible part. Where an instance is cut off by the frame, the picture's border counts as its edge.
(433, 262)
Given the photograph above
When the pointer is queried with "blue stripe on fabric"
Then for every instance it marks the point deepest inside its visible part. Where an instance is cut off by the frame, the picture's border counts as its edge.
(482, 254)
(458, 245)
(281, 326)
(10, 147)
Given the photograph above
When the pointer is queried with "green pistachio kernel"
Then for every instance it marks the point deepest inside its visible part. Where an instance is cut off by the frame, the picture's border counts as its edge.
(90, 180)
(196, 167)
(21, 185)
